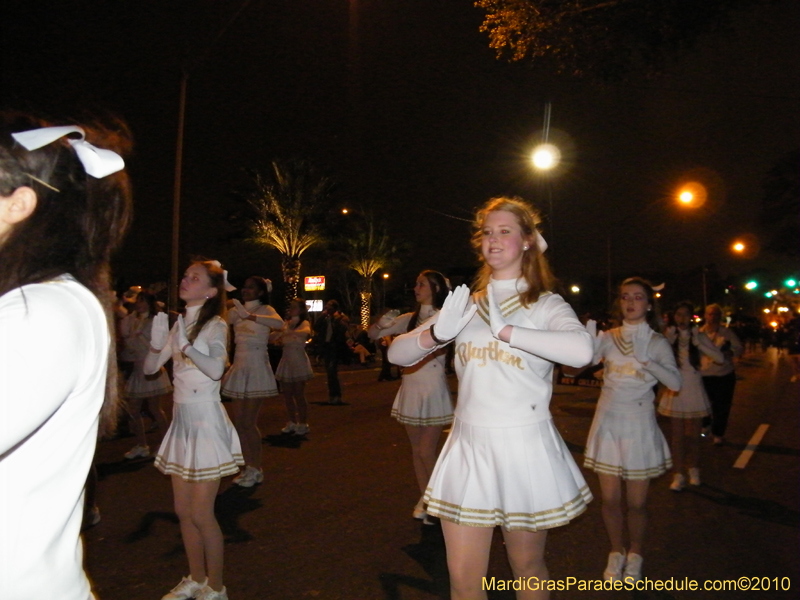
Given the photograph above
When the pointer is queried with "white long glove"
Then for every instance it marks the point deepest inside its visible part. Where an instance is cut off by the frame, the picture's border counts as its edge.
(183, 339)
(240, 310)
(496, 321)
(387, 319)
(160, 331)
(641, 340)
(454, 314)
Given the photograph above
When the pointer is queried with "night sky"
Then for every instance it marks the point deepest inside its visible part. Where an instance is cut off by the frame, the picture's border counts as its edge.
(416, 120)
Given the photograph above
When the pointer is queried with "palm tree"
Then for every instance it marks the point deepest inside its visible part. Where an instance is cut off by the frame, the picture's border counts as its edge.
(368, 250)
(292, 207)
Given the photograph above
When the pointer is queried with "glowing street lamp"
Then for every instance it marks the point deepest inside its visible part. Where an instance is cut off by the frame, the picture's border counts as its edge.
(691, 195)
(738, 247)
(751, 285)
(546, 157)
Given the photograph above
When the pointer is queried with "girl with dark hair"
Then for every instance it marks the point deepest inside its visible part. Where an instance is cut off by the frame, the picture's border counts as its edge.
(504, 464)
(295, 369)
(625, 443)
(142, 390)
(250, 380)
(423, 403)
(64, 208)
(688, 406)
(201, 445)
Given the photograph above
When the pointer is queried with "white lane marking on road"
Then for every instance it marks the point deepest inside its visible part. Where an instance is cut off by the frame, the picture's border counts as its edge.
(751, 447)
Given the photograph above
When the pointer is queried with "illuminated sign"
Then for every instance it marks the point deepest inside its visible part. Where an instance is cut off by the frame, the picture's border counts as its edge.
(314, 305)
(315, 284)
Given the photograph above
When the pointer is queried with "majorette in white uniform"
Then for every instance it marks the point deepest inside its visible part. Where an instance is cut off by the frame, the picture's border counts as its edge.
(135, 330)
(504, 462)
(691, 402)
(625, 439)
(423, 398)
(201, 444)
(295, 365)
(54, 343)
(251, 375)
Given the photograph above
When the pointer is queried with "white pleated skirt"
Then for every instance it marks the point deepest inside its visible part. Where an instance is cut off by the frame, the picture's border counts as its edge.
(520, 478)
(690, 403)
(294, 365)
(201, 443)
(251, 375)
(424, 398)
(140, 385)
(629, 445)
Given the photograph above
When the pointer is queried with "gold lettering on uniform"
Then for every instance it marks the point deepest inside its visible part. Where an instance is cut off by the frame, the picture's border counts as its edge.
(625, 369)
(466, 352)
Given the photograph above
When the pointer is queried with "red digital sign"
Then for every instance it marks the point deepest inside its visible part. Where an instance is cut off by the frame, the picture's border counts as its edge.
(314, 284)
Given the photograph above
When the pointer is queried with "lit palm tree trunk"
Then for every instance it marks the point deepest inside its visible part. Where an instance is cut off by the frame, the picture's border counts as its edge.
(366, 302)
(290, 266)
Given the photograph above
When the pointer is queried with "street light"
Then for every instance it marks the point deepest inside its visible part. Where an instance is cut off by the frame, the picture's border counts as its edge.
(691, 194)
(385, 279)
(546, 157)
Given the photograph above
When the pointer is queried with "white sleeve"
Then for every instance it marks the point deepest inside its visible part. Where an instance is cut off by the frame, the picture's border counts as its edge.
(398, 326)
(662, 363)
(600, 347)
(212, 365)
(707, 347)
(405, 349)
(270, 318)
(43, 349)
(565, 341)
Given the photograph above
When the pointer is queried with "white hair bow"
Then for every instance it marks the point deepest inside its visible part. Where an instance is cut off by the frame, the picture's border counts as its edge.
(540, 243)
(228, 286)
(97, 162)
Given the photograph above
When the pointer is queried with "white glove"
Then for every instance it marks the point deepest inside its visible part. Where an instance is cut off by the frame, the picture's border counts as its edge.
(454, 314)
(183, 339)
(387, 319)
(591, 327)
(240, 310)
(496, 321)
(641, 339)
(160, 331)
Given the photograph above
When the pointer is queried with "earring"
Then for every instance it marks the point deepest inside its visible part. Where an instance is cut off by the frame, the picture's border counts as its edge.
(525, 248)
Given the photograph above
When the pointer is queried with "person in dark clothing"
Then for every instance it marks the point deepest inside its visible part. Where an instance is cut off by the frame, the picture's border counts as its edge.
(330, 332)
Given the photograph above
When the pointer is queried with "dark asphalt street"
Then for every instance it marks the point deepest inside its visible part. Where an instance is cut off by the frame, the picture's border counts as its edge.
(333, 518)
